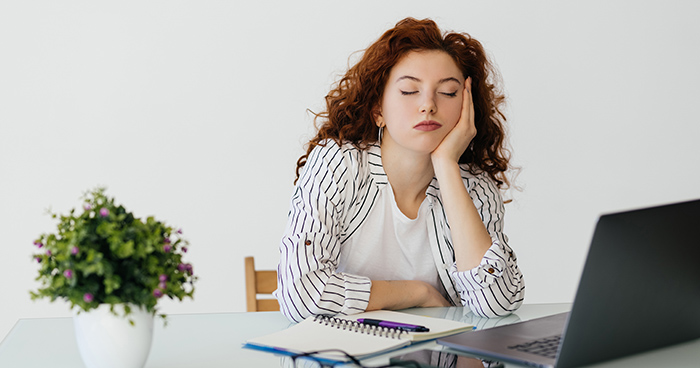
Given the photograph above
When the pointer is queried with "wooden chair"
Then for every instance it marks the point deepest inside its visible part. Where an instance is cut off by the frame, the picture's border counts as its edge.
(259, 282)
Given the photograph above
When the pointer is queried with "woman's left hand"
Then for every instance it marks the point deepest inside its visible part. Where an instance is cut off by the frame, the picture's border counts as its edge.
(457, 140)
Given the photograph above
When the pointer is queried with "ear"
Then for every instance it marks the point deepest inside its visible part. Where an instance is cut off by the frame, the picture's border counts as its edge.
(377, 116)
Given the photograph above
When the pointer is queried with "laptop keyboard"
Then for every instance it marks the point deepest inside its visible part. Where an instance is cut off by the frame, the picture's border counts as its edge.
(546, 347)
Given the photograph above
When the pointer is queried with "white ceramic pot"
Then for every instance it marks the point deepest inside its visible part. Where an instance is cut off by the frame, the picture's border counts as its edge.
(109, 341)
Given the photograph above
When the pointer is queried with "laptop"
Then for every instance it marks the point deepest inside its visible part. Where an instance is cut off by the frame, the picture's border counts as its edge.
(641, 265)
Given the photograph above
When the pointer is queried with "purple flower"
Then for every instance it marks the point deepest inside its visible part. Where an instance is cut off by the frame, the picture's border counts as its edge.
(38, 259)
(48, 253)
(162, 285)
(167, 240)
(179, 231)
(184, 249)
(38, 244)
(104, 212)
(182, 267)
(167, 248)
(157, 293)
(74, 250)
(87, 207)
(88, 297)
(163, 277)
(68, 274)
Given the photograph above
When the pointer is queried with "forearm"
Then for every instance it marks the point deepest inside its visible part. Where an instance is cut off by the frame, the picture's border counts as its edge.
(469, 235)
(400, 294)
(492, 285)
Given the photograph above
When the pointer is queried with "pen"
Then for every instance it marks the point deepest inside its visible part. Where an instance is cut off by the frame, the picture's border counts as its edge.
(397, 325)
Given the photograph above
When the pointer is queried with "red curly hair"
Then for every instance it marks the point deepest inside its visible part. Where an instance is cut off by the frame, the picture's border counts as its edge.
(352, 104)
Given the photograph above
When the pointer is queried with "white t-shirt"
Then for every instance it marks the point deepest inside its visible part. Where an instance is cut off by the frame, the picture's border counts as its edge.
(391, 246)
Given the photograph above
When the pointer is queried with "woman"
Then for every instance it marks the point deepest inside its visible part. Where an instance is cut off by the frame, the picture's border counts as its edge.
(397, 201)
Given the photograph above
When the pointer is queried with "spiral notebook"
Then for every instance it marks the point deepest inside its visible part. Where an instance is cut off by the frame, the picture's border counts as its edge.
(359, 340)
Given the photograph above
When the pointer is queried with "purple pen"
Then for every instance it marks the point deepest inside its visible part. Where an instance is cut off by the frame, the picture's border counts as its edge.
(396, 325)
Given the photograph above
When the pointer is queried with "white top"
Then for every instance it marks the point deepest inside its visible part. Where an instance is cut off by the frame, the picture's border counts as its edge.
(391, 246)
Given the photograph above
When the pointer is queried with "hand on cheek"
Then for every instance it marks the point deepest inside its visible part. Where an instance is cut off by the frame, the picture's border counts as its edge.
(458, 139)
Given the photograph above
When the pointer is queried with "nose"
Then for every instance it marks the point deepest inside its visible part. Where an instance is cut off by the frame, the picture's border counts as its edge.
(428, 106)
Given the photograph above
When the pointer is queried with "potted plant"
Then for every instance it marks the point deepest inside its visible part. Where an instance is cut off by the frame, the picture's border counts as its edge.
(113, 268)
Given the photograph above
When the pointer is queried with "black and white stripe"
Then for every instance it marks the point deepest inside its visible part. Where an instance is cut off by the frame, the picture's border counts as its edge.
(337, 189)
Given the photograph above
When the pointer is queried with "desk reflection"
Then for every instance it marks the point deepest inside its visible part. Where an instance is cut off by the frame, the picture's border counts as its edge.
(442, 359)
(426, 358)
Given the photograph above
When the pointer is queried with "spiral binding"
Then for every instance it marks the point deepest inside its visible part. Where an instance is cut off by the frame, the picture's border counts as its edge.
(354, 326)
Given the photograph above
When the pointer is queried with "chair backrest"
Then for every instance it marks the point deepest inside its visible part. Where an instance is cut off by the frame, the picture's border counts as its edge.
(259, 282)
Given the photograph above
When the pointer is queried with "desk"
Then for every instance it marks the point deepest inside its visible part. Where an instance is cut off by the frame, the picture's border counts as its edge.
(214, 340)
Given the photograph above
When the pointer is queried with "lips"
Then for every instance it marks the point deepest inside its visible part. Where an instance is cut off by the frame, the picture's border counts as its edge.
(427, 125)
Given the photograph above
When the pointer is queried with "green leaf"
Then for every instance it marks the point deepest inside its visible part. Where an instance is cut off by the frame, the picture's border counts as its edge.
(111, 299)
(112, 283)
(126, 249)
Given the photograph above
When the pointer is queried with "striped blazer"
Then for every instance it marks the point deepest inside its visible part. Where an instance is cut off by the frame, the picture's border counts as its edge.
(335, 192)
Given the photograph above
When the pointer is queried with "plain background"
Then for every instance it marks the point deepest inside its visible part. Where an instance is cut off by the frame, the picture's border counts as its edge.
(196, 112)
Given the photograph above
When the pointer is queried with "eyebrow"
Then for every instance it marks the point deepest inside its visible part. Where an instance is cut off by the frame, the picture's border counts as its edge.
(443, 80)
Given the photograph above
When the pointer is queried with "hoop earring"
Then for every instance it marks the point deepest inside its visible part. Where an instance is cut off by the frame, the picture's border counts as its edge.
(381, 133)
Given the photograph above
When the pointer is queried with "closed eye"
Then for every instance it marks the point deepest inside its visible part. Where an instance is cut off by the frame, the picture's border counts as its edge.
(453, 94)
(406, 93)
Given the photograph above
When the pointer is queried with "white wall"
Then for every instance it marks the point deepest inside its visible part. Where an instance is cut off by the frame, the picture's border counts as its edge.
(195, 112)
